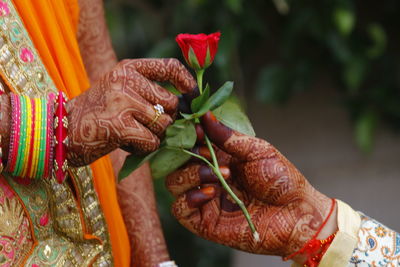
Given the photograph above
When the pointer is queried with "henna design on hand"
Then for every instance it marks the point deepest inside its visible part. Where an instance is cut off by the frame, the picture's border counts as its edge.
(118, 110)
(94, 39)
(286, 210)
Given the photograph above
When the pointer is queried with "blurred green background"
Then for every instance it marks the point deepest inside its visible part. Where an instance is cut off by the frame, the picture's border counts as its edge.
(274, 49)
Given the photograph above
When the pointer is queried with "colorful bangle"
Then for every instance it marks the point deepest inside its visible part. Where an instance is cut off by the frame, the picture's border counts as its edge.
(61, 134)
(50, 134)
(32, 140)
(35, 156)
(27, 146)
(21, 141)
(13, 134)
(42, 148)
(30, 146)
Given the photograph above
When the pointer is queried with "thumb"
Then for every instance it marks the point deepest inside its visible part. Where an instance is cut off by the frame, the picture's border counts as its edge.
(241, 146)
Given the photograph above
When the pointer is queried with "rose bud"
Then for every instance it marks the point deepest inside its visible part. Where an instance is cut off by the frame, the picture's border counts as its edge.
(198, 49)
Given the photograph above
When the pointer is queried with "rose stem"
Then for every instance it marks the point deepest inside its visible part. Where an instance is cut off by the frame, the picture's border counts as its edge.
(215, 167)
(226, 186)
(199, 74)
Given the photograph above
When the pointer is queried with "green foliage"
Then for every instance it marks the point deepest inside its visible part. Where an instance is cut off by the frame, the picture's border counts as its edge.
(344, 20)
(166, 161)
(213, 102)
(199, 101)
(181, 134)
(232, 115)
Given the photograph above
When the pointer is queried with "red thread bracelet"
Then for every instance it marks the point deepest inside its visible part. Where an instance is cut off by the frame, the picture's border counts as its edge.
(314, 249)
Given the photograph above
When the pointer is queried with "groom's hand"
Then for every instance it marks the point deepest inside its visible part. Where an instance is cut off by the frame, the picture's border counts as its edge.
(286, 210)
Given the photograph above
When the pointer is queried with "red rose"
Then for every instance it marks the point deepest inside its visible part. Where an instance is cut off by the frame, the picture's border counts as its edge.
(198, 49)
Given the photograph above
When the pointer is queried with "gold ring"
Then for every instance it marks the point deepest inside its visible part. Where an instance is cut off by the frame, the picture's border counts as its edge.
(159, 110)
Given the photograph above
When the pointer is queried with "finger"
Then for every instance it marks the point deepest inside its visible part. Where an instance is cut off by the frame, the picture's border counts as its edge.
(145, 113)
(223, 158)
(152, 92)
(227, 204)
(163, 70)
(241, 146)
(188, 203)
(137, 138)
(199, 134)
(192, 176)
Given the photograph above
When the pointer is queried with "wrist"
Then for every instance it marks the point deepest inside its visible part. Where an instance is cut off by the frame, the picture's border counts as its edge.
(316, 246)
(5, 123)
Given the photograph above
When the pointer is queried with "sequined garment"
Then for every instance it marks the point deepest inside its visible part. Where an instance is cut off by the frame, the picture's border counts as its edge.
(377, 245)
(43, 223)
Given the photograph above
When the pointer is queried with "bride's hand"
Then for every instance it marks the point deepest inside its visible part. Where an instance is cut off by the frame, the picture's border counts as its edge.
(118, 111)
(286, 210)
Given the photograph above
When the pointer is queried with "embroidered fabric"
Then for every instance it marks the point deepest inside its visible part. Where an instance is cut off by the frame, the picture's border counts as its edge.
(377, 245)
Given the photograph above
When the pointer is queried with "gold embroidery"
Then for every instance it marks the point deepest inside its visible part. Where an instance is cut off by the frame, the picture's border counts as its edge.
(11, 216)
(15, 236)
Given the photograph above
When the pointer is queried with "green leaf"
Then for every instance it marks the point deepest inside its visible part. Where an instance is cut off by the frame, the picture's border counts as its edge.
(132, 162)
(378, 36)
(344, 19)
(181, 134)
(365, 129)
(166, 161)
(216, 100)
(234, 5)
(200, 100)
(187, 116)
(172, 89)
(231, 114)
(354, 73)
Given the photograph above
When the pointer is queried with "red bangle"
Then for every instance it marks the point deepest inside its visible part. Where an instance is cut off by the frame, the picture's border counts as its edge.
(60, 133)
(314, 249)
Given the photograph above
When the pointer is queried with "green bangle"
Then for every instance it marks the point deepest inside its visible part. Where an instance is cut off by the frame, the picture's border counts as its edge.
(22, 139)
(42, 147)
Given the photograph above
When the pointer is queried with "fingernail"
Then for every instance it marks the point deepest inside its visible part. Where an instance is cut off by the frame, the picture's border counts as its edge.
(200, 134)
(198, 197)
(212, 116)
(203, 151)
(207, 175)
(209, 191)
(217, 132)
(225, 171)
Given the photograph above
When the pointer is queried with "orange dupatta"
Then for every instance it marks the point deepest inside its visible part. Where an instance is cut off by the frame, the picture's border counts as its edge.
(52, 26)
